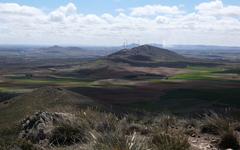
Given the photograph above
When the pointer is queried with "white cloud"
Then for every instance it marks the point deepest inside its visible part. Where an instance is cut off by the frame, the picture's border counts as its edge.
(207, 6)
(69, 9)
(62, 12)
(211, 23)
(162, 20)
(15, 9)
(150, 10)
(217, 8)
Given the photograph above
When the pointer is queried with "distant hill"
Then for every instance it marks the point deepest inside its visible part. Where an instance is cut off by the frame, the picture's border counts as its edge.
(71, 52)
(42, 99)
(147, 53)
(138, 62)
(55, 52)
(145, 61)
(59, 48)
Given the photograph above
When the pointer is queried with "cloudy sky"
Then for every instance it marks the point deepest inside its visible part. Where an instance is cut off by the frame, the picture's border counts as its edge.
(110, 22)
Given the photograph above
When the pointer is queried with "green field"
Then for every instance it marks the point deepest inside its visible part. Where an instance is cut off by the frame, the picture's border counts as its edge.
(14, 90)
(198, 73)
(44, 81)
(22, 83)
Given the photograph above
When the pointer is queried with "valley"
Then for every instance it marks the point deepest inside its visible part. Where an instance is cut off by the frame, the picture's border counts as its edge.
(129, 80)
(138, 82)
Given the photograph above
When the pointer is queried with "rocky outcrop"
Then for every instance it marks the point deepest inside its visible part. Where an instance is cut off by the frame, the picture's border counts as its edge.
(38, 128)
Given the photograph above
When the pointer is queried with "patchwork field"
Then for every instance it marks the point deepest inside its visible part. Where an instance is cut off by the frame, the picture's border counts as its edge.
(188, 89)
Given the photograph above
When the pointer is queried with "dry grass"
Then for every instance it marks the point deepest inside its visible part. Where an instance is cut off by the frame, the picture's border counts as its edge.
(68, 134)
(118, 141)
(217, 124)
(92, 129)
(163, 141)
(224, 127)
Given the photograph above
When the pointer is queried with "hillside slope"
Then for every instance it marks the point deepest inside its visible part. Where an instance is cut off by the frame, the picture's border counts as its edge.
(42, 99)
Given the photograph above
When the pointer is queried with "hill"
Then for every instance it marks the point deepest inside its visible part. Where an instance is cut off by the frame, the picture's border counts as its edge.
(41, 99)
(70, 52)
(140, 62)
(146, 53)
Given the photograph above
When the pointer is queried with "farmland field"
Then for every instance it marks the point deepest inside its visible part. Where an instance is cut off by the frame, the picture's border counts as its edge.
(198, 84)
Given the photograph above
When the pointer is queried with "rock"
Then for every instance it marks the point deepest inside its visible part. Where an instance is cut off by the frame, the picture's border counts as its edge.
(39, 127)
(194, 141)
(193, 135)
(28, 121)
(214, 141)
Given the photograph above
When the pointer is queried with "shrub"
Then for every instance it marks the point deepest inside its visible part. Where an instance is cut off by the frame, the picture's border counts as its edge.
(68, 134)
(166, 121)
(118, 141)
(164, 141)
(108, 123)
(215, 124)
(100, 121)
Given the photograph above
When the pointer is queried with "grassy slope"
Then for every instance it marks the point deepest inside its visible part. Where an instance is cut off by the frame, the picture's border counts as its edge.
(38, 100)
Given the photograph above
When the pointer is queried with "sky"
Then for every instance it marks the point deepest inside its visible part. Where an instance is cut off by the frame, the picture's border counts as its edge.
(111, 22)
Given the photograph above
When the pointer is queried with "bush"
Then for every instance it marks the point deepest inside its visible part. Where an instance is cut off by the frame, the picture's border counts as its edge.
(108, 123)
(215, 124)
(118, 141)
(164, 141)
(68, 134)
(100, 121)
